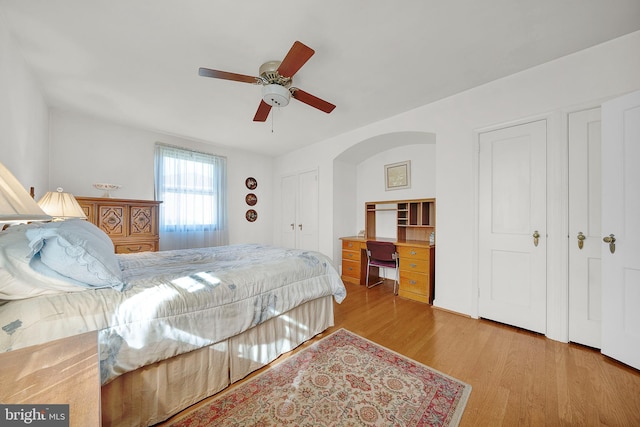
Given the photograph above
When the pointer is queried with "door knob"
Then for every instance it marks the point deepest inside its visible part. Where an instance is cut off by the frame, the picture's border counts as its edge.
(536, 236)
(611, 240)
(581, 238)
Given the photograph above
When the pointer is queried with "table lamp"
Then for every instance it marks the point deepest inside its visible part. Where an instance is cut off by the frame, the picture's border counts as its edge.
(61, 205)
(16, 205)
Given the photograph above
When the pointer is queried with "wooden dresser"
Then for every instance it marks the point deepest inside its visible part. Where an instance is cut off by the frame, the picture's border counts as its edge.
(415, 220)
(132, 225)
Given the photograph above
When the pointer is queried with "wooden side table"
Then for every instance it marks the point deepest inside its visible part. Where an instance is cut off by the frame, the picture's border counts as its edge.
(64, 371)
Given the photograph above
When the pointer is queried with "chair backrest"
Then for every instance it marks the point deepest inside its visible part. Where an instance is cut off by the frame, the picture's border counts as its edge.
(382, 251)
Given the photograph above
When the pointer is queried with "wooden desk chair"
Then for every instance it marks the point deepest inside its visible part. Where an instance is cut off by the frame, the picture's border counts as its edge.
(382, 255)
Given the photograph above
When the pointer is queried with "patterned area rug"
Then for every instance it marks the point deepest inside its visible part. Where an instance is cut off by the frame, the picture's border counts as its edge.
(341, 380)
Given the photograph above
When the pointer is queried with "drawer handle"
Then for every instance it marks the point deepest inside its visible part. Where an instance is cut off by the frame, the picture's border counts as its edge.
(413, 265)
(413, 252)
(412, 282)
(350, 268)
(134, 249)
(350, 245)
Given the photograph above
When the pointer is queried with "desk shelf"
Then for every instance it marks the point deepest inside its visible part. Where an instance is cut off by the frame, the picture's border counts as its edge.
(415, 219)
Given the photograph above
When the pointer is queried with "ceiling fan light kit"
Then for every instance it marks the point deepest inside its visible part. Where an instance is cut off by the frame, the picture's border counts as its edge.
(276, 95)
(276, 78)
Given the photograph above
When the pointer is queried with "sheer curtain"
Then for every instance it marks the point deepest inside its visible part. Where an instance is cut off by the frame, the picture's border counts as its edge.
(193, 189)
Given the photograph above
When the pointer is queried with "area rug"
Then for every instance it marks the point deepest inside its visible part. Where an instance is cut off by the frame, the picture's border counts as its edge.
(341, 380)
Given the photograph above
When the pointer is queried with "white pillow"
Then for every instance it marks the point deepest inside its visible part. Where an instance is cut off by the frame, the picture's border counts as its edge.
(17, 279)
(78, 250)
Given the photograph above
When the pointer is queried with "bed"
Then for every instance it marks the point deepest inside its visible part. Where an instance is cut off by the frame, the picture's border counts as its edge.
(173, 327)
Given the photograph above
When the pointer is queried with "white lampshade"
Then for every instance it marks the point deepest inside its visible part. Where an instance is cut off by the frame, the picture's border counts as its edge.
(16, 205)
(61, 205)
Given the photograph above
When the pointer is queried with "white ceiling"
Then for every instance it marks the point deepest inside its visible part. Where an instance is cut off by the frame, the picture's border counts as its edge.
(136, 62)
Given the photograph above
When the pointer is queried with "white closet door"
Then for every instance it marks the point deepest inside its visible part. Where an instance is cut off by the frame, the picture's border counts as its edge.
(585, 226)
(621, 219)
(299, 225)
(512, 212)
(289, 191)
(307, 227)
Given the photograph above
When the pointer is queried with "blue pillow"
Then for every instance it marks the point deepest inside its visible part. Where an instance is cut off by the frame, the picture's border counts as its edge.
(78, 250)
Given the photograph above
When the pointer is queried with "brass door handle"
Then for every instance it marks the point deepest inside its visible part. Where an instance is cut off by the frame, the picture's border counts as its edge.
(581, 238)
(536, 237)
(611, 240)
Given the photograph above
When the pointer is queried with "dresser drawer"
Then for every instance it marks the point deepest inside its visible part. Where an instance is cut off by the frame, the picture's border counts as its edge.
(351, 245)
(130, 248)
(351, 268)
(415, 265)
(412, 252)
(414, 282)
(351, 255)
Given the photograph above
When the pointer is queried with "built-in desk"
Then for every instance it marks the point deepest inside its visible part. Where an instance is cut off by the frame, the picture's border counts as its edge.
(415, 222)
(417, 266)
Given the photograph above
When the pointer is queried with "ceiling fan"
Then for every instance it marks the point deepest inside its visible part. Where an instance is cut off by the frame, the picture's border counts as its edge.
(276, 78)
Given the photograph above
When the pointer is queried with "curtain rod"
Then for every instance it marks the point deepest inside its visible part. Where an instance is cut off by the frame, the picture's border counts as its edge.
(189, 149)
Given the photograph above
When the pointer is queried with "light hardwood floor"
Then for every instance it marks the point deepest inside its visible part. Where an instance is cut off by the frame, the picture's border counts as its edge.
(519, 378)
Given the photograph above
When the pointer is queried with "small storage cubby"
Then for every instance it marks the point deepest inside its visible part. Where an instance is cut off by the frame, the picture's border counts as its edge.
(416, 219)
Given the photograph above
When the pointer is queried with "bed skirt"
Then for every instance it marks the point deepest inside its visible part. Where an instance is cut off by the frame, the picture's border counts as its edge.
(154, 393)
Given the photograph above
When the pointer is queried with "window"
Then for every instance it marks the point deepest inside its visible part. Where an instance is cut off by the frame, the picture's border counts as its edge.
(192, 188)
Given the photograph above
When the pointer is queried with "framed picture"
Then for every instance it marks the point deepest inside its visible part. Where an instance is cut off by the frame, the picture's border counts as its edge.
(397, 175)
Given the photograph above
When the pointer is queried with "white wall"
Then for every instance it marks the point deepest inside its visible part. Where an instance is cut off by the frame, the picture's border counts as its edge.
(549, 90)
(85, 151)
(24, 118)
(370, 179)
(345, 191)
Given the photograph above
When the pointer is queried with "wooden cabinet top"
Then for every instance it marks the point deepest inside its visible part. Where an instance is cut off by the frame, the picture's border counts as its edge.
(115, 201)
(395, 202)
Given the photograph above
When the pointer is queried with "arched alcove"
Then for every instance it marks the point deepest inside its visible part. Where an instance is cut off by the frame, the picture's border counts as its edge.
(379, 143)
(350, 169)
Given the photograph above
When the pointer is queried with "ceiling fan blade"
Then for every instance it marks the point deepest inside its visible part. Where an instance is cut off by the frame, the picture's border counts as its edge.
(263, 112)
(297, 56)
(206, 72)
(311, 100)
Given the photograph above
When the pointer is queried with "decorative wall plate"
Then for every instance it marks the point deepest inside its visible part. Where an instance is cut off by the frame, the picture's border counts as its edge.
(251, 183)
(251, 199)
(251, 215)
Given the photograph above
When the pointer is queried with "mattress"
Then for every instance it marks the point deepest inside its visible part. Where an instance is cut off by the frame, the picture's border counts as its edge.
(175, 302)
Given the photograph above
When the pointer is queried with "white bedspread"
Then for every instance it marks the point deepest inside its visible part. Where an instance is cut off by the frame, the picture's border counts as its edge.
(176, 301)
